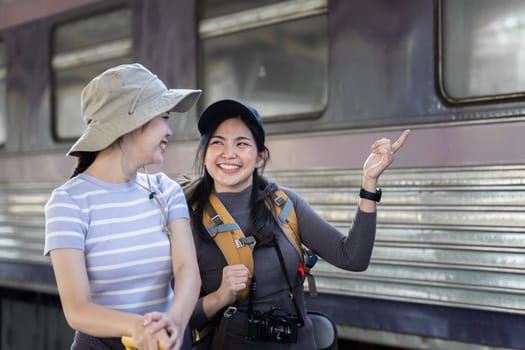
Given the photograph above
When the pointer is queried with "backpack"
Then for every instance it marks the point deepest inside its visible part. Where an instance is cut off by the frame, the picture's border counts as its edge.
(237, 248)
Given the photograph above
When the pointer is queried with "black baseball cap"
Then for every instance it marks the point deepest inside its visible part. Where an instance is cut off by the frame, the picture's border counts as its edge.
(221, 110)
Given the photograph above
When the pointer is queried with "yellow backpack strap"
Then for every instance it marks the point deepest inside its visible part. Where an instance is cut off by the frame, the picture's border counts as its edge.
(236, 248)
(287, 218)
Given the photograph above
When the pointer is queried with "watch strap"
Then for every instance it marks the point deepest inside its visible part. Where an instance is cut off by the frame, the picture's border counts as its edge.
(373, 196)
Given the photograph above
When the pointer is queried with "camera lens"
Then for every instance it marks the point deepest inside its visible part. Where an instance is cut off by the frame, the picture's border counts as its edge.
(279, 329)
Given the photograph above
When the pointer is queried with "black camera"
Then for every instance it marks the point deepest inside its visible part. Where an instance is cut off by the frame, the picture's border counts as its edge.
(274, 325)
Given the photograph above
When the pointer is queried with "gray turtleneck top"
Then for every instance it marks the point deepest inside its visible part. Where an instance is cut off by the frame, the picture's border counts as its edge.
(350, 252)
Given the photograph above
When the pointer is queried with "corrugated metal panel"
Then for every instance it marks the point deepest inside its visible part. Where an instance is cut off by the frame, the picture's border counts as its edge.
(452, 236)
(22, 221)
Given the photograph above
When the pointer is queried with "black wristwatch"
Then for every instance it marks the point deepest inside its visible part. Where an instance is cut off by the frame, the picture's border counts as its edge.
(373, 196)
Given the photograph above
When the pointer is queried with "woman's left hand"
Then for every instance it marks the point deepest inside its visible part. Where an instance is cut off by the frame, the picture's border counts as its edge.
(382, 156)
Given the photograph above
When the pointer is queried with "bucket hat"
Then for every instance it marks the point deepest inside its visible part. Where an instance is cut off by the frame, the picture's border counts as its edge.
(221, 110)
(122, 99)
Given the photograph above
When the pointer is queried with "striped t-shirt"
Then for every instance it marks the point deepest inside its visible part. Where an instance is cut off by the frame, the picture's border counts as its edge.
(119, 228)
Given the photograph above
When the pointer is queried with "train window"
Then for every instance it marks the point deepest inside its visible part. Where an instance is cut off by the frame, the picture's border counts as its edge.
(274, 57)
(3, 94)
(214, 8)
(483, 51)
(82, 49)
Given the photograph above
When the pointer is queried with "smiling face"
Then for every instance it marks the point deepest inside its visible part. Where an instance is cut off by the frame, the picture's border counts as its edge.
(232, 156)
(148, 144)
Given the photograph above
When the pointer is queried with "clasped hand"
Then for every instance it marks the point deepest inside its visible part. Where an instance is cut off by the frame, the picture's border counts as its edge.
(160, 332)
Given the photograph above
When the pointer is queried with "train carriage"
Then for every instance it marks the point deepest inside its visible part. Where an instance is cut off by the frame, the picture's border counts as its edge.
(329, 77)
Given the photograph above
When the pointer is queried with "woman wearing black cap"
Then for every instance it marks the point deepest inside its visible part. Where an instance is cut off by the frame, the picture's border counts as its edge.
(264, 308)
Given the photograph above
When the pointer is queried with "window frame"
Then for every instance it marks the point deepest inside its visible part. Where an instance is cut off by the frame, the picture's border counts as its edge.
(3, 97)
(258, 18)
(447, 98)
(91, 55)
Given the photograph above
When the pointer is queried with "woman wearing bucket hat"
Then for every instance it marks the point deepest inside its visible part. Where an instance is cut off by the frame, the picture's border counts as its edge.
(116, 236)
(230, 160)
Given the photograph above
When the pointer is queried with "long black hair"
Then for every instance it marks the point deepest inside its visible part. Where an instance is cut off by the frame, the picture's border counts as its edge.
(85, 159)
(198, 191)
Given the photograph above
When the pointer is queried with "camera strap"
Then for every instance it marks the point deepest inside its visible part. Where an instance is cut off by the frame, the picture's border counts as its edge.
(300, 321)
(251, 297)
(218, 340)
(253, 284)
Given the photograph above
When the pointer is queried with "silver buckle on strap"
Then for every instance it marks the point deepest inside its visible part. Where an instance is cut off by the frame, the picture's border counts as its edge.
(241, 242)
(279, 201)
(230, 311)
(216, 220)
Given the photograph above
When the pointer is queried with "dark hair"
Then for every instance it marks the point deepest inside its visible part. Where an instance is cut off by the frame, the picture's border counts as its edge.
(198, 192)
(85, 159)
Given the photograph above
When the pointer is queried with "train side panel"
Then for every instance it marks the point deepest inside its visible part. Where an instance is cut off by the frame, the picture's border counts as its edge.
(447, 267)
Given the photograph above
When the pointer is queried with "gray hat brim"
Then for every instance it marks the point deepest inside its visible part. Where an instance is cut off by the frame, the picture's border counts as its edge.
(97, 137)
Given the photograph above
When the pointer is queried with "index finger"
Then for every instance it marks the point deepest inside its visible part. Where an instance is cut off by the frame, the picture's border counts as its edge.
(400, 141)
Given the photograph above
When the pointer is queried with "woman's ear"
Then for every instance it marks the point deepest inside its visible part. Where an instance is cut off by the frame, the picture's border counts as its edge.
(262, 157)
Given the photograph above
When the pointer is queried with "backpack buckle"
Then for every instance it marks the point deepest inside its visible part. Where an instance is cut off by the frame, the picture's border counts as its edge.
(279, 200)
(241, 242)
(230, 311)
(216, 220)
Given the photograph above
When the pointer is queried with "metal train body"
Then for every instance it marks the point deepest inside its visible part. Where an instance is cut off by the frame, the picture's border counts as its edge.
(329, 77)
